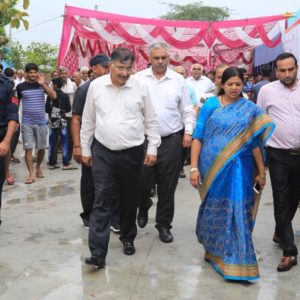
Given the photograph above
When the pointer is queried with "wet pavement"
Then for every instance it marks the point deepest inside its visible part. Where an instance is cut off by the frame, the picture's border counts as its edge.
(43, 246)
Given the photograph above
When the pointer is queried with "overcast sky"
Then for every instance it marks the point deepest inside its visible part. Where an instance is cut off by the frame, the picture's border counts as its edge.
(52, 11)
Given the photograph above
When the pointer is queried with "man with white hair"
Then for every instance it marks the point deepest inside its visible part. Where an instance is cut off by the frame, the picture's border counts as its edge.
(84, 71)
(176, 117)
(201, 84)
(20, 77)
(68, 88)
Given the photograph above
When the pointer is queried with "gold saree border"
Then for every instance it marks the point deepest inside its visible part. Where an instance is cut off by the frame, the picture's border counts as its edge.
(233, 147)
(247, 271)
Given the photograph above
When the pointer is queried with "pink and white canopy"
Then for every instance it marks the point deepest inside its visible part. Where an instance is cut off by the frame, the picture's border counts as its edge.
(88, 32)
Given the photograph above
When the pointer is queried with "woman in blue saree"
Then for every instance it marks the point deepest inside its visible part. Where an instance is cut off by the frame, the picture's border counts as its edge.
(226, 160)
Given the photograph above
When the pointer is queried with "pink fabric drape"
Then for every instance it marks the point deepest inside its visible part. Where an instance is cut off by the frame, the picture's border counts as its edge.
(185, 44)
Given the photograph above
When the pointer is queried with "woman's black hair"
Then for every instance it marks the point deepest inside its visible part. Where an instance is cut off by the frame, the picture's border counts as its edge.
(228, 73)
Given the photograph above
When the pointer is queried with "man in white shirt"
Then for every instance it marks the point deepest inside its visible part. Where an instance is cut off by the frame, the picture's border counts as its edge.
(201, 84)
(174, 109)
(117, 115)
(84, 71)
(20, 77)
(68, 88)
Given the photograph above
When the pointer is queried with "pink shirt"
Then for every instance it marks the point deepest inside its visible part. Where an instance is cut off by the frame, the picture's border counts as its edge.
(283, 106)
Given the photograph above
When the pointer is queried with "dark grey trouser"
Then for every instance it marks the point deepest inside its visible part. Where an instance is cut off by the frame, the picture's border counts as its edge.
(87, 195)
(285, 173)
(165, 174)
(114, 171)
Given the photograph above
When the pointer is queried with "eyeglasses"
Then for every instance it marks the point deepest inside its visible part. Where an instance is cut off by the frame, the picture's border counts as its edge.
(123, 69)
(159, 57)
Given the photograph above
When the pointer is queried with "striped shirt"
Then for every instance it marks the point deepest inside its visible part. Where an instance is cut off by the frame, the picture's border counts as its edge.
(32, 96)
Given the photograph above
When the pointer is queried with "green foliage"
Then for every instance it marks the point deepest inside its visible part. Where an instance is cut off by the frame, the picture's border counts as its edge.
(43, 54)
(196, 11)
(10, 15)
(14, 55)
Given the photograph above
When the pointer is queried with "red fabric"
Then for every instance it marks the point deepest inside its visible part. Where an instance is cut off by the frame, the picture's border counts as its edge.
(187, 47)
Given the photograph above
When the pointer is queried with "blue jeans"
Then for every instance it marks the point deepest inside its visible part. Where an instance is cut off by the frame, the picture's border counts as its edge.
(53, 133)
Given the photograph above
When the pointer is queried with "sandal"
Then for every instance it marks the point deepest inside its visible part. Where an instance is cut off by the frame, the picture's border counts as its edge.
(10, 180)
(39, 173)
(29, 181)
(14, 159)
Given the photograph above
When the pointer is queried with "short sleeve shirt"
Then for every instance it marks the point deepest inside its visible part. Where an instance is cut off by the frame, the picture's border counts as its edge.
(32, 96)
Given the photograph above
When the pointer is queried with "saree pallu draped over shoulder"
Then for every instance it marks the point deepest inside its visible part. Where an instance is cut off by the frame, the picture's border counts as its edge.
(226, 218)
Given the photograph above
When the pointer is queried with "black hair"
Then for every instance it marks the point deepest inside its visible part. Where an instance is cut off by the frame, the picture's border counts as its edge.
(9, 72)
(124, 55)
(31, 66)
(58, 82)
(228, 73)
(265, 70)
(1, 67)
(243, 70)
(285, 55)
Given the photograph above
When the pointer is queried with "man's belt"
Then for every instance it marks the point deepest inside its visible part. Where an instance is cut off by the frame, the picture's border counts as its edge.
(292, 151)
(173, 134)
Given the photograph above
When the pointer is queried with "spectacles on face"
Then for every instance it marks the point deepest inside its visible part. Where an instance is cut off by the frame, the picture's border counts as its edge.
(124, 69)
(159, 57)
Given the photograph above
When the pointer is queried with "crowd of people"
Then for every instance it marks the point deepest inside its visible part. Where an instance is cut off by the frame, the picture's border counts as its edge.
(133, 133)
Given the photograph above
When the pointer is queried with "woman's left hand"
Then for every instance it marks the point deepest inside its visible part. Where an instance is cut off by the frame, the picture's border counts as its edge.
(261, 180)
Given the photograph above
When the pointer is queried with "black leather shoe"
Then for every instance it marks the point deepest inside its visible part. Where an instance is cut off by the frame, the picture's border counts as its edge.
(142, 217)
(129, 248)
(165, 235)
(98, 262)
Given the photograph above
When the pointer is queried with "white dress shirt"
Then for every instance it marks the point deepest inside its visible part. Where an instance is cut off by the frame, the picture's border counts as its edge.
(18, 81)
(171, 101)
(70, 88)
(201, 86)
(119, 118)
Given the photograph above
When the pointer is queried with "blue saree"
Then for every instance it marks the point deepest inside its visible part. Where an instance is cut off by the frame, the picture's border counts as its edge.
(225, 219)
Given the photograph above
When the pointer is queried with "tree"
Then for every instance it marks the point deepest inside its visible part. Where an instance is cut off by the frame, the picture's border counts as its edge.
(196, 11)
(10, 15)
(43, 54)
(14, 55)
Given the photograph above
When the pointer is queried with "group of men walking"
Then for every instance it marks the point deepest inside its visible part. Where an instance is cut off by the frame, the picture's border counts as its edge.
(129, 132)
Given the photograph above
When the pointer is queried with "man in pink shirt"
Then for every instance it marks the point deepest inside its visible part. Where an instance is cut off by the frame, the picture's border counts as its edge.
(281, 101)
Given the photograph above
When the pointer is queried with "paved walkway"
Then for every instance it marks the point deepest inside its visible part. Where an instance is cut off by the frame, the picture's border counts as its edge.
(43, 246)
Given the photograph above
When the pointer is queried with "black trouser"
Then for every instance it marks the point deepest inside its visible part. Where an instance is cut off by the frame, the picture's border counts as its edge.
(69, 120)
(285, 173)
(165, 174)
(114, 170)
(87, 195)
(185, 155)
(2, 165)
